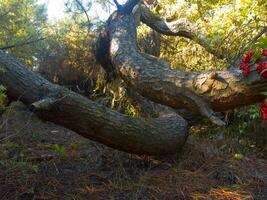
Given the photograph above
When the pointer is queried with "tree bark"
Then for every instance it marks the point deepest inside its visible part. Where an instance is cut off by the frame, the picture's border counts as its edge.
(165, 134)
(201, 92)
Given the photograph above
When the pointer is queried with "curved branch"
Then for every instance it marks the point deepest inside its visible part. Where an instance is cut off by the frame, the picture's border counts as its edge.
(201, 92)
(162, 135)
(180, 27)
(83, 9)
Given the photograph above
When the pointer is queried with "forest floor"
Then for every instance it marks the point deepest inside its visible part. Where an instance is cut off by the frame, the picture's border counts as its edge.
(40, 160)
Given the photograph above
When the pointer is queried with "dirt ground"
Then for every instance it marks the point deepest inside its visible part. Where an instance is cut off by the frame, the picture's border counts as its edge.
(40, 160)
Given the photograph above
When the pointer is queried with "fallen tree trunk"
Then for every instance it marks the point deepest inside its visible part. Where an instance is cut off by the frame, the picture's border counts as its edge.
(162, 135)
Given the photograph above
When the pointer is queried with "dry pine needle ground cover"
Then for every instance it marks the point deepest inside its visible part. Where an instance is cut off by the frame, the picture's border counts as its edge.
(39, 160)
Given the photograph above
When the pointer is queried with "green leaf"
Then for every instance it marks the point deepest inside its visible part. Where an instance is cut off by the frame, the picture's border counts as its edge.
(2, 89)
(35, 168)
(264, 93)
(262, 43)
(256, 56)
(238, 156)
(59, 148)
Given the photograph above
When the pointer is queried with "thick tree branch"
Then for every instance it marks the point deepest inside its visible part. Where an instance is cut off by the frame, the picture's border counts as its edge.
(201, 92)
(180, 27)
(162, 135)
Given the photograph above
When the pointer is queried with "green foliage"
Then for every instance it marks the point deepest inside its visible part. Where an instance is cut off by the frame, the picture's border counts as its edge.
(66, 57)
(243, 118)
(228, 25)
(21, 21)
(132, 111)
(261, 43)
(256, 56)
(238, 156)
(58, 148)
(3, 98)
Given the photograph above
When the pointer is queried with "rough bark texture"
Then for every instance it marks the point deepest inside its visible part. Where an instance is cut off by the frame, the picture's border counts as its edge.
(202, 92)
(162, 135)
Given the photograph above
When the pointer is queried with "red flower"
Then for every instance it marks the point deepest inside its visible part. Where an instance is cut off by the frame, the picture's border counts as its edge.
(264, 52)
(245, 69)
(247, 57)
(262, 69)
(263, 110)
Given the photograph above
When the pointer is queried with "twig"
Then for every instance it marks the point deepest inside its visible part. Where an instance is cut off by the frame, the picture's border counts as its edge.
(117, 5)
(83, 9)
(252, 41)
(21, 44)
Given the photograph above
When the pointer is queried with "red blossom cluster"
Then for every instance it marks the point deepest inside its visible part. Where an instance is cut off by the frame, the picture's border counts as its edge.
(248, 57)
(263, 110)
(262, 70)
(264, 52)
(245, 63)
(245, 69)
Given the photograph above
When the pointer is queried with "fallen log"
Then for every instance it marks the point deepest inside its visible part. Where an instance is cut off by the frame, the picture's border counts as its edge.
(165, 134)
